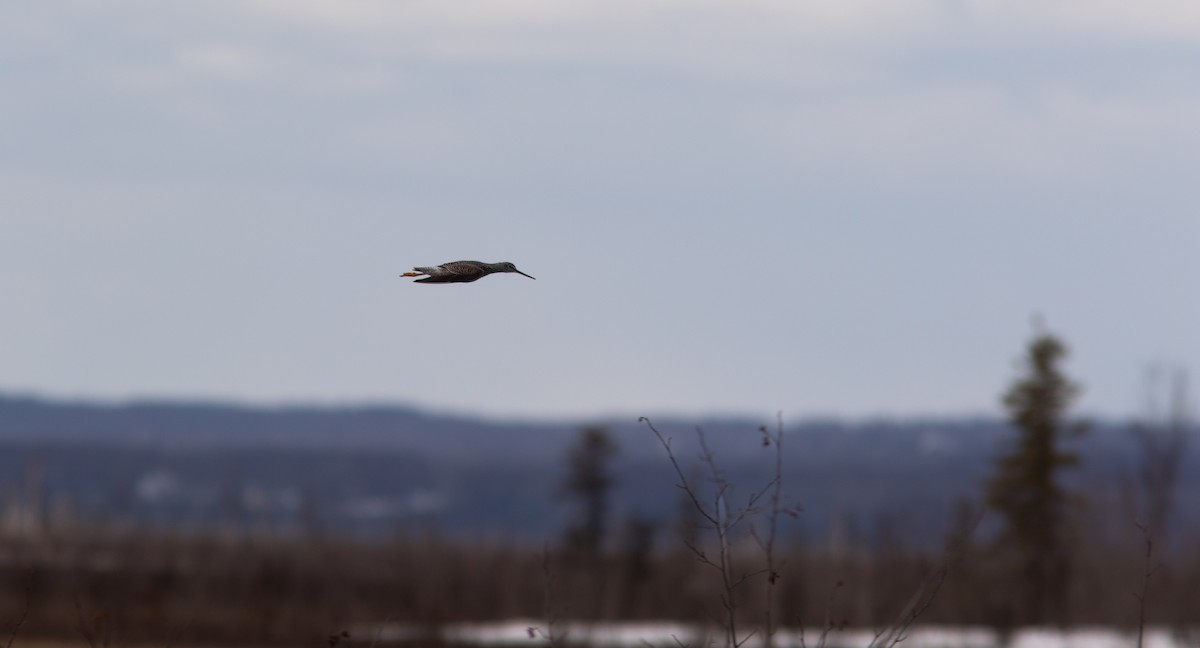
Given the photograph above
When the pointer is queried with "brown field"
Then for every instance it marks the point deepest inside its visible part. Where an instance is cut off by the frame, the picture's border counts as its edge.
(130, 589)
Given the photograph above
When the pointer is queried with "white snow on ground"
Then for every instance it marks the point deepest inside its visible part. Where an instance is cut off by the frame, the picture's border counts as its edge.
(527, 632)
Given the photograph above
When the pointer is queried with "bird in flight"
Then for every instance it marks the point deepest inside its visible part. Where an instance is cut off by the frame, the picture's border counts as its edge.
(460, 271)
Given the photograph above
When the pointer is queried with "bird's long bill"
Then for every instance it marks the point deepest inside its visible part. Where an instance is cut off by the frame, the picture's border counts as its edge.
(522, 273)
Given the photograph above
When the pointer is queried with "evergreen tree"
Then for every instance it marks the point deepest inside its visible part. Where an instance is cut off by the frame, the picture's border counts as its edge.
(588, 483)
(1026, 488)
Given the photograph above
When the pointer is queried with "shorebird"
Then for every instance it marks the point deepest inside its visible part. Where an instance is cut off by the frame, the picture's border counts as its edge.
(461, 271)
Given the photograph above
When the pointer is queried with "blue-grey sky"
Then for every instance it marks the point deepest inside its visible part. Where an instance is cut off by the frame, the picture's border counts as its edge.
(819, 207)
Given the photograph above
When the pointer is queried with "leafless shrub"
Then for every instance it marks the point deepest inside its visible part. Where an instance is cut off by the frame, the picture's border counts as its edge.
(725, 518)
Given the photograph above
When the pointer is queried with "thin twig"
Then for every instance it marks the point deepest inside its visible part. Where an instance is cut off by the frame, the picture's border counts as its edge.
(88, 635)
(719, 518)
(897, 631)
(1147, 570)
(926, 592)
(772, 568)
(683, 484)
(379, 630)
(724, 523)
(547, 602)
(829, 615)
(20, 622)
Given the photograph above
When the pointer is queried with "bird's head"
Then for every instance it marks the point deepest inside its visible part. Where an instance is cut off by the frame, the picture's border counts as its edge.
(505, 266)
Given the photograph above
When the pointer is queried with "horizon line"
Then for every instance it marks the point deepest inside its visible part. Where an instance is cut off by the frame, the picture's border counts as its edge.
(435, 411)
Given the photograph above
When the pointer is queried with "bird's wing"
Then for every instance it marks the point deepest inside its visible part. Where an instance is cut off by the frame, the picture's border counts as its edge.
(462, 269)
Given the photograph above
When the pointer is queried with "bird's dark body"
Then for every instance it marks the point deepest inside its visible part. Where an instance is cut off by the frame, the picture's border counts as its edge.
(461, 271)
(455, 278)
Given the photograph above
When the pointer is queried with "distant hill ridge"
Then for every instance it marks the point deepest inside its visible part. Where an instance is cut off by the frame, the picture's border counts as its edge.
(405, 428)
(177, 456)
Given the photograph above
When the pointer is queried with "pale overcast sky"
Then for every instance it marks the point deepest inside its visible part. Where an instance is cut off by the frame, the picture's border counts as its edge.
(819, 207)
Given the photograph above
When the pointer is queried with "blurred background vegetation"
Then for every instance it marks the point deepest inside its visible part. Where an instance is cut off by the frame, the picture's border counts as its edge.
(188, 523)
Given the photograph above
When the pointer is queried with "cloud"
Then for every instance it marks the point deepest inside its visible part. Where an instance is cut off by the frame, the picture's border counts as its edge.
(712, 35)
(899, 90)
(566, 28)
(768, 45)
(1060, 133)
(1096, 19)
(222, 61)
